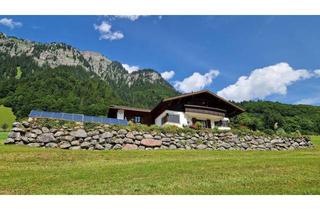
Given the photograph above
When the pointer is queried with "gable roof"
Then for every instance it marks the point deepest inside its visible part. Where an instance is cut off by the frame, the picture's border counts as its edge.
(200, 92)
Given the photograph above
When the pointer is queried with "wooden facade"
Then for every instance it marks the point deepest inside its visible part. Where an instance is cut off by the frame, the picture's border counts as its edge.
(204, 110)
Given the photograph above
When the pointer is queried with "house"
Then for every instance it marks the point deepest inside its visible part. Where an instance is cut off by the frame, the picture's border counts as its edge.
(203, 106)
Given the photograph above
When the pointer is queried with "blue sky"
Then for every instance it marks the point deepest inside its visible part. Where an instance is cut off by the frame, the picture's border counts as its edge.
(220, 53)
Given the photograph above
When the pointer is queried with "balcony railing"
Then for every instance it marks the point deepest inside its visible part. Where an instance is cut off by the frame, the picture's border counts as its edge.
(204, 110)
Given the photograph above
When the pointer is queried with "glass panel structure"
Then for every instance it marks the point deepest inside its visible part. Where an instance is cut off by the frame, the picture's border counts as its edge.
(76, 117)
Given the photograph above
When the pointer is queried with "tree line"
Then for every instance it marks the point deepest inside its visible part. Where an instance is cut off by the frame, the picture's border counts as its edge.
(271, 116)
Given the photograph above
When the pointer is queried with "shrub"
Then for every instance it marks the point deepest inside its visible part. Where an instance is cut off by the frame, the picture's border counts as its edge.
(51, 123)
(4, 126)
(296, 133)
(215, 130)
(90, 125)
(155, 128)
(198, 126)
(269, 132)
(171, 129)
(188, 130)
(280, 132)
(135, 126)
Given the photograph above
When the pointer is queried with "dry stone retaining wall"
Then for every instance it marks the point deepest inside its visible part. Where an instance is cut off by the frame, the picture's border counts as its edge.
(107, 138)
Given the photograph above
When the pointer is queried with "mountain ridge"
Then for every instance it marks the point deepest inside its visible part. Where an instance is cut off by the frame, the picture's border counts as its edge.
(59, 54)
(21, 60)
(127, 85)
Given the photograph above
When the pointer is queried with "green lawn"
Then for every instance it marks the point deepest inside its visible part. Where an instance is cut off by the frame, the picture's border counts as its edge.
(6, 116)
(316, 140)
(25, 170)
(3, 136)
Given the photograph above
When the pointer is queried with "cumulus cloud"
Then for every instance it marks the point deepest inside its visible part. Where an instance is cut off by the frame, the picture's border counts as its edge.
(167, 75)
(196, 81)
(104, 27)
(317, 72)
(112, 36)
(106, 33)
(129, 17)
(264, 82)
(10, 23)
(129, 68)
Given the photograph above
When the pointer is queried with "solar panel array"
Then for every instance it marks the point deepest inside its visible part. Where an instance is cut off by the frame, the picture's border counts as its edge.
(76, 117)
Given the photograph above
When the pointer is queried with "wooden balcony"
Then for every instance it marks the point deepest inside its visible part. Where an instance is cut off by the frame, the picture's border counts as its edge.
(204, 110)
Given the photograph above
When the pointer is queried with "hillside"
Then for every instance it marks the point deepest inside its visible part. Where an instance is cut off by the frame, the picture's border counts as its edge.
(58, 77)
(269, 116)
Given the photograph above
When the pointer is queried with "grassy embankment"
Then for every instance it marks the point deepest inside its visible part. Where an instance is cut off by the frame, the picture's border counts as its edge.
(6, 117)
(25, 170)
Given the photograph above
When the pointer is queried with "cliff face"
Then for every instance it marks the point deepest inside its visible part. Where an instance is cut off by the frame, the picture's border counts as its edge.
(60, 54)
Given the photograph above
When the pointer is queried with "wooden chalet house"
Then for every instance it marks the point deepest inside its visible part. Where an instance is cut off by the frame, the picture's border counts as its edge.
(203, 106)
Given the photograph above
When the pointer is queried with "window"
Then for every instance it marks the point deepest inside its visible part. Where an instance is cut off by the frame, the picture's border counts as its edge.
(173, 118)
(164, 119)
(137, 119)
(120, 114)
(222, 123)
(204, 123)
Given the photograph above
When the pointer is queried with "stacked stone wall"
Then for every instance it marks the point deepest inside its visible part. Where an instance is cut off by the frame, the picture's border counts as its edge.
(109, 138)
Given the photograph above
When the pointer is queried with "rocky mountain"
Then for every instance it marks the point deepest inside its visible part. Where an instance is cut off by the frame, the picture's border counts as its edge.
(132, 88)
(60, 54)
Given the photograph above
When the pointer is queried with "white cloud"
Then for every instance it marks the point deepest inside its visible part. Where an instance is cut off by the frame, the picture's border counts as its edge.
(130, 69)
(167, 75)
(104, 27)
(112, 36)
(129, 17)
(196, 81)
(264, 82)
(10, 23)
(317, 72)
(105, 31)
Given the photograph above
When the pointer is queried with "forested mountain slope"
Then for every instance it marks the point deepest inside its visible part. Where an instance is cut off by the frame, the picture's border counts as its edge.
(270, 116)
(58, 77)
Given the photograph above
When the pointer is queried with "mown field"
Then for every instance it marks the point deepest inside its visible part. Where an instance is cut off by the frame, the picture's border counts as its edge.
(6, 116)
(25, 170)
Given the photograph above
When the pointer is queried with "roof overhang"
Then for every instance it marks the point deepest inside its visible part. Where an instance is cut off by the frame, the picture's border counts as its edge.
(236, 109)
(129, 108)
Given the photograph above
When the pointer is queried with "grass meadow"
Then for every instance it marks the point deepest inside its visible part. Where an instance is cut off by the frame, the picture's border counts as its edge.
(25, 170)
